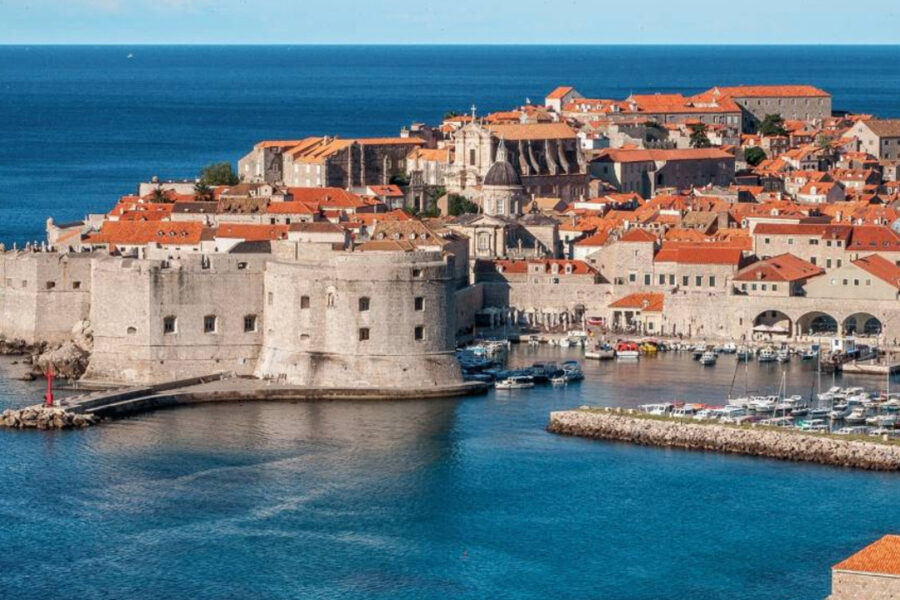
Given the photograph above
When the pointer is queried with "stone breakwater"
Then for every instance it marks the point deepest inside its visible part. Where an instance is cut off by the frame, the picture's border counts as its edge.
(629, 426)
(43, 417)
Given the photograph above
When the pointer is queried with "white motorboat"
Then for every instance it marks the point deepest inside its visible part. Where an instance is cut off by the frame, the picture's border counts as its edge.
(883, 421)
(853, 430)
(763, 404)
(729, 348)
(857, 416)
(767, 355)
(516, 382)
(813, 425)
(658, 409)
(708, 359)
(783, 355)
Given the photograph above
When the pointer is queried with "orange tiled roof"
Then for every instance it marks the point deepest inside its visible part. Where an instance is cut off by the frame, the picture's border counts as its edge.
(532, 131)
(645, 301)
(290, 208)
(252, 232)
(559, 92)
(638, 235)
(699, 254)
(784, 267)
(138, 233)
(769, 91)
(882, 556)
(881, 268)
(641, 155)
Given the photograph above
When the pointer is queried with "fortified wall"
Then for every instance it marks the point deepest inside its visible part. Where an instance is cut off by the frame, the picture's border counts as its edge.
(43, 294)
(156, 320)
(372, 319)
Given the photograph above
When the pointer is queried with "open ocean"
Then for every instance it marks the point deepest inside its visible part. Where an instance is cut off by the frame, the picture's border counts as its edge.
(465, 499)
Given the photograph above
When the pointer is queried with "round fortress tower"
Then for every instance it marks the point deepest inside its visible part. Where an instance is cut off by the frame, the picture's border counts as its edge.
(360, 319)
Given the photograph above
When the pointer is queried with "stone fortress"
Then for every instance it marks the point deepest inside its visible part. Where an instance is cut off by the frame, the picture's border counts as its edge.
(306, 314)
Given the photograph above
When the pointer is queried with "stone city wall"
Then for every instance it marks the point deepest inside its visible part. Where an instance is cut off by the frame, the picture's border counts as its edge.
(133, 299)
(43, 295)
(361, 319)
(846, 585)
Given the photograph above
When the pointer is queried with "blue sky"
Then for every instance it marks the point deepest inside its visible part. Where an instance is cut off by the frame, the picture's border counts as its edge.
(449, 22)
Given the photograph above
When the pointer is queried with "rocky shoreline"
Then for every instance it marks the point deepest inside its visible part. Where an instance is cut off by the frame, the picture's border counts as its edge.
(44, 417)
(627, 425)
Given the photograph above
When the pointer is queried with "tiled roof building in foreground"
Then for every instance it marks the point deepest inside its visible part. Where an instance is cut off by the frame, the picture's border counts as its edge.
(873, 573)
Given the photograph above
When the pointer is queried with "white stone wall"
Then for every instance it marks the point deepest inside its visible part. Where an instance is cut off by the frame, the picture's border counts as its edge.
(132, 299)
(43, 295)
(314, 320)
(847, 585)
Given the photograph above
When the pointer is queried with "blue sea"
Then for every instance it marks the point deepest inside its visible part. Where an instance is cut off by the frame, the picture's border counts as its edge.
(408, 500)
(80, 125)
(461, 499)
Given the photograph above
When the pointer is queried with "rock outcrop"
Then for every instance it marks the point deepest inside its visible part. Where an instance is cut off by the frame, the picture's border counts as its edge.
(44, 417)
(629, 426)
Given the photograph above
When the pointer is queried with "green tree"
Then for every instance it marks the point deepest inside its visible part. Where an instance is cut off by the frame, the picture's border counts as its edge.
(754, 155)
(203, 192)
(772, 125)
(451, 113)
(158, 196)
(399, 179)
(823, 141)
(219, 174)
(699, 138)
(459, 205)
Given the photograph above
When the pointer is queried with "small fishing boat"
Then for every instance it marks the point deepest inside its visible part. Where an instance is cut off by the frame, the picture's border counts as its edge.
(516, 382)
(813, 425)
(572, 371)
(742, 353)
(783, 355)
(809, 354)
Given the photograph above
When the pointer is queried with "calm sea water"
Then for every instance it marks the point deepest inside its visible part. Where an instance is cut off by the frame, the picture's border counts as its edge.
(79, 126)
(432, 499)
(457, 498)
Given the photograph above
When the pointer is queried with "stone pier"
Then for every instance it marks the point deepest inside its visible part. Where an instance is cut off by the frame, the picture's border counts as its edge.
(627, 425)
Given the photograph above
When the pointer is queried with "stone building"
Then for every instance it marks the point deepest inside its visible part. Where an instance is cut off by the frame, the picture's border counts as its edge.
(43, 294)
(645, 171)
(878, 137)
(800, 102)
(328, 161)
(546, 156)
(873, 573)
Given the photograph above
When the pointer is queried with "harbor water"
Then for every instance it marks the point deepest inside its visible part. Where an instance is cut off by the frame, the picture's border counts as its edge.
(466, 498)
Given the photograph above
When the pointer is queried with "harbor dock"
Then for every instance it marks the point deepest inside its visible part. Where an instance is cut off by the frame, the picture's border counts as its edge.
(219, 387)
(629, 425)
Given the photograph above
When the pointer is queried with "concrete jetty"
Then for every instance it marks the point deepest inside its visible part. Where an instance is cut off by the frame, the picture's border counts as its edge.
(87, 409)
(628, 425)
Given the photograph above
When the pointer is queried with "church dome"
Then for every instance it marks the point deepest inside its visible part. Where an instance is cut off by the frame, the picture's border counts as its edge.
(502, 173)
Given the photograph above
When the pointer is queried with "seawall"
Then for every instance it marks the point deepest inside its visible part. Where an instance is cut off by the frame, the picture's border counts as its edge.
(629, 426)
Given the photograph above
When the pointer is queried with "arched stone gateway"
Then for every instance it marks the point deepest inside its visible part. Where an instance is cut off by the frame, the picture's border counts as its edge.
(817, 323)
(862, 323)
(771, 323)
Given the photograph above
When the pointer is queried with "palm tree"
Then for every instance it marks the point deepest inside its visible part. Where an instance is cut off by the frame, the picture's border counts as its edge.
(202, 192)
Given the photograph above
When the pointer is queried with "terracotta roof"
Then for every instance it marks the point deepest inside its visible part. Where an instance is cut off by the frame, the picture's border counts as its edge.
(884, 127)
(645, 301)
(882, 556)
(252, 232)
(874, 238)
(386, 190)
(881, 268)
(330, 197)
(533, 131)
(394, 141)
(638, 235)
(139, 233)
(598, 239)
(790, 229)
(699, 254)
(322, 227)
(442, 155)
(290, 208)
(559, 92)
(642, 155)
(278, 144)
(769, 91)
(784, 267)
